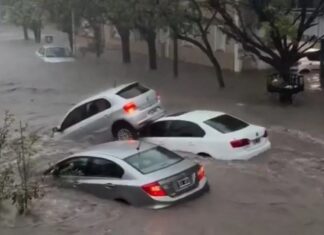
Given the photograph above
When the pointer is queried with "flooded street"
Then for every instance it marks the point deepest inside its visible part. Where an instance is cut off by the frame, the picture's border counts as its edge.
(279, 192)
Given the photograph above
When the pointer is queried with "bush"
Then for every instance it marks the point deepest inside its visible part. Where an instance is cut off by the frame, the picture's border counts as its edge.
(16, 179)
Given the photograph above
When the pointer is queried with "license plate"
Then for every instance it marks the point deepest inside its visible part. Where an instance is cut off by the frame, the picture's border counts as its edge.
(152, 111)
(256, 141)
(183, 182)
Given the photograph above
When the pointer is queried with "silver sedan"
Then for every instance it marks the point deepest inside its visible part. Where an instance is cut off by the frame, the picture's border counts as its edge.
(138, 173)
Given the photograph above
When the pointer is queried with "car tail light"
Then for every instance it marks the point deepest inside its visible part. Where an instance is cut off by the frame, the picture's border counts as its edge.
(154, 189)
(265, 135)
(201, 174)
(240, 143)
(130, 107)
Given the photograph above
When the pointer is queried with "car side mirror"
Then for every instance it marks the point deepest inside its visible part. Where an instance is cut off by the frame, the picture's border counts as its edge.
(56, 129)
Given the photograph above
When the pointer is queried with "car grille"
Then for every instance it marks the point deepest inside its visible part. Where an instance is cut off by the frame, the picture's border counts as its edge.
(181, 183)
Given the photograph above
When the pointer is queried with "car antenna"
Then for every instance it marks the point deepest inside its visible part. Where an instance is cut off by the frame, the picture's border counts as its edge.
(139, 145)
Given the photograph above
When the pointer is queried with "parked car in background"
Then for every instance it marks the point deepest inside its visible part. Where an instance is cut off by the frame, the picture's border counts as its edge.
(55, 54)
(137, 173)
(208, 133)
(119, 111)
(308, 63)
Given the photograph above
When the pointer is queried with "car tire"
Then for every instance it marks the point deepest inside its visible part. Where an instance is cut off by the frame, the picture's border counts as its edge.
(124, 131)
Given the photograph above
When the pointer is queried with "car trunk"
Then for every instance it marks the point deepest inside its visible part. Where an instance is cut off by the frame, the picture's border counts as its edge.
(181, 183)
(253, 133)
(142, 97)
(184, 180)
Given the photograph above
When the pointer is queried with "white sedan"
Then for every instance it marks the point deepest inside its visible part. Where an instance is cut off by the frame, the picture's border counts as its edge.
(208, 133)
(54, 54)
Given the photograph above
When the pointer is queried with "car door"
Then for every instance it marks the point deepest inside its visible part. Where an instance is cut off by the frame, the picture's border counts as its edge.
(86, 119)
(103, 178)
(71, 171)
(73, 125)
(98, 112)
(185, 136)
(156, 133)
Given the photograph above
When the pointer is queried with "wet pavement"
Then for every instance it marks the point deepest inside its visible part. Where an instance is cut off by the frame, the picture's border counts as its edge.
(279, 192)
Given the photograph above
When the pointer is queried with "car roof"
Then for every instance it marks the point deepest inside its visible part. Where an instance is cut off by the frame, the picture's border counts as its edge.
(117, 149)
(106, 93)
(193, 116)
(313, 50)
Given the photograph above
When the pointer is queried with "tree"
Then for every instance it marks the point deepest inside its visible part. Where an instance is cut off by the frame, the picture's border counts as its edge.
(148, 20)
(282, 44)
(28, 14)
(121, 14)
(94, 13)
(190, 21)
(60, 13)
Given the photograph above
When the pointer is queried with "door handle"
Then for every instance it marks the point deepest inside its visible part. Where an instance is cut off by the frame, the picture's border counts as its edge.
(109, 186)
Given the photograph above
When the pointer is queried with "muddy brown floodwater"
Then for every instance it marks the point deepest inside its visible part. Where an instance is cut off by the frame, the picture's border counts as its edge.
(279, 192)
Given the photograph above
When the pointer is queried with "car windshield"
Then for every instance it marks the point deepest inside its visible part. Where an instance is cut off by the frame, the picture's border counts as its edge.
(153, 160)
(226, 123)
(57, 52)
(132, 91)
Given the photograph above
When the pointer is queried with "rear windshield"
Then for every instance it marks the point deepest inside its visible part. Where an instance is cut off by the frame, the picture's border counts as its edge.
(132, 91)
(153, 160)
(226, 124)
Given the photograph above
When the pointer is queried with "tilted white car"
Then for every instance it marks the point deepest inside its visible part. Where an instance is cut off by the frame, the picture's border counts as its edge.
(309, 63)
(119, 111)
(54, 54)
(208, 133)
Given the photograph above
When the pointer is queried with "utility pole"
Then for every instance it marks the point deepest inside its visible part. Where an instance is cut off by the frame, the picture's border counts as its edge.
(73, 31)
(322, 64)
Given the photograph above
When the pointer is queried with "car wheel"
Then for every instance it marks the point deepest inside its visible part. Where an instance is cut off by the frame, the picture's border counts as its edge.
(124, 132)
(204, 155)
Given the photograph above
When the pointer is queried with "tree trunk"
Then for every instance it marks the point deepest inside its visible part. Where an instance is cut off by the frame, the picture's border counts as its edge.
(218, 69)
(25, 30)
(124, 34)
(70, 36)
(175, 57)
(37, 33)
(98, 40)
(150, 39)
(214, 61)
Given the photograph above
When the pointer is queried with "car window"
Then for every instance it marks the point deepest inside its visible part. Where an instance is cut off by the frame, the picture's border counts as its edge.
(132, 91)
(226, 124)
(73, 167)
(314, 56)
(153, 160)
(97, 106)
(99, 167)
(74, 117)
(185, 129)
(158, 129)
(57, 52)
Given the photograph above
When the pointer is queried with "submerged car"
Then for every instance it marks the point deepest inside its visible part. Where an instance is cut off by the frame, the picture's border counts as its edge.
(55, 54)
(308, 63)
(138, 173)
(208, 133)
(119, 111)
